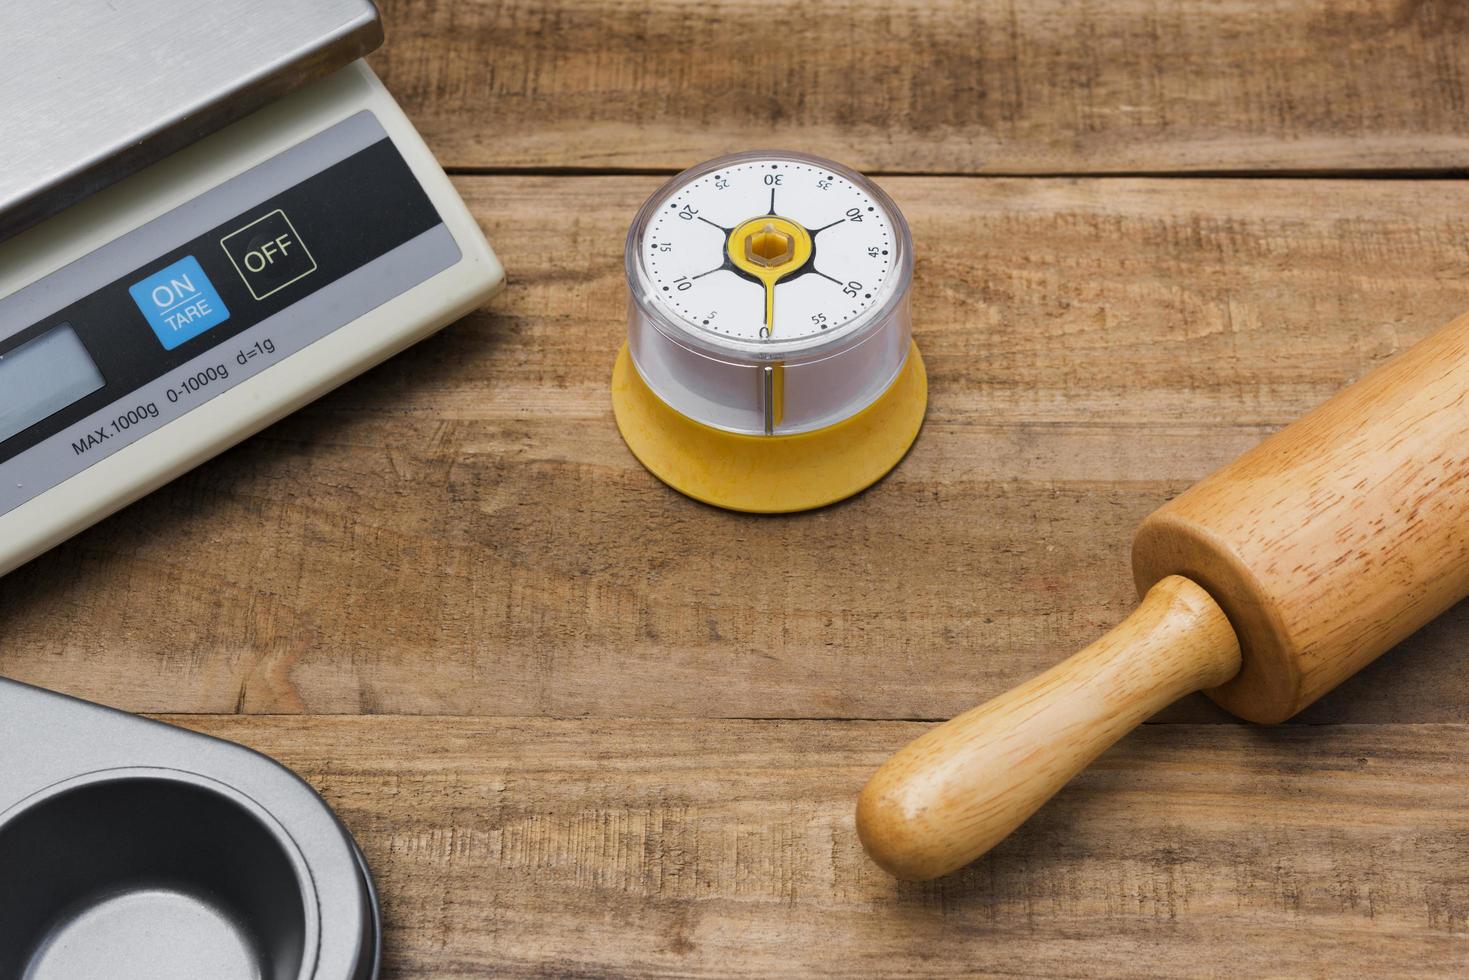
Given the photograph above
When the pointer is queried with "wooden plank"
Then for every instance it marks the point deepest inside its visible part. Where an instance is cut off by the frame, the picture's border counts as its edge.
(949, 86)
(613, 848)
(462, 531)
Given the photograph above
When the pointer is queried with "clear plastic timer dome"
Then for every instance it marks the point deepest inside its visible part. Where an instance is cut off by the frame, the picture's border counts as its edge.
(769, 293)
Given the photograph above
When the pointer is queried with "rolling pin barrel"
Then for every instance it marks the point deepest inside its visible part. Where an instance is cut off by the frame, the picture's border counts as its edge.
(1266, 585)
(1336, 538)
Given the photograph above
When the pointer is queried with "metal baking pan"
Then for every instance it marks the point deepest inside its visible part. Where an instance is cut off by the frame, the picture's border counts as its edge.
(130, 849)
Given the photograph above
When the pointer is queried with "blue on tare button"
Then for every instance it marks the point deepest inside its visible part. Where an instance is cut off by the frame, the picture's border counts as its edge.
(179, 302)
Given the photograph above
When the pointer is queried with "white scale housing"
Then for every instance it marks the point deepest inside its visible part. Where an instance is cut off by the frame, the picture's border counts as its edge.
(246, 195)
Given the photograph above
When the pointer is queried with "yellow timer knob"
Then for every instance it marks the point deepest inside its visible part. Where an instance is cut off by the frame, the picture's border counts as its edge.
(769, 248)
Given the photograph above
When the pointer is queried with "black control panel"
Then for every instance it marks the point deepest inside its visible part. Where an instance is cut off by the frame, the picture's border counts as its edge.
(175, 306)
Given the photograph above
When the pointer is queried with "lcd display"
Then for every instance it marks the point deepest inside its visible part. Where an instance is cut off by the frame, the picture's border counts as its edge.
(42, 376)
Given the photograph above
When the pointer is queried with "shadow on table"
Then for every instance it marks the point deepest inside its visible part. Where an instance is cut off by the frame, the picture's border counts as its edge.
(48, 603)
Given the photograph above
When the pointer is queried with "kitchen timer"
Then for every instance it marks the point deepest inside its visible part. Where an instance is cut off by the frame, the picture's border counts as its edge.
(769, 364)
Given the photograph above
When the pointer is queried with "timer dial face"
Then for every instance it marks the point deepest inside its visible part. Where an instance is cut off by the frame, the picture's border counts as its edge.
(775, 251)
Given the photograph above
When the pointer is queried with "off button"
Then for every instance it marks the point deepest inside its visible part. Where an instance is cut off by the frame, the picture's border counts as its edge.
(268, 254)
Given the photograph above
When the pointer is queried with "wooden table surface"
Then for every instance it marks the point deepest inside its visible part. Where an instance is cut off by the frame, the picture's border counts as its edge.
(582, 725)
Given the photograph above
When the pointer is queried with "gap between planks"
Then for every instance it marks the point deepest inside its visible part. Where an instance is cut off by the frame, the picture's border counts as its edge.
(1406, 173)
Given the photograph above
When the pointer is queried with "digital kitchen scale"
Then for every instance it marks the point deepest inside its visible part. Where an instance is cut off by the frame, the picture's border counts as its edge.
(189, 253)
(769, 365)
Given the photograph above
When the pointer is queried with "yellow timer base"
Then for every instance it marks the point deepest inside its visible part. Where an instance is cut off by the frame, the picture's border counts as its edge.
(770, 474)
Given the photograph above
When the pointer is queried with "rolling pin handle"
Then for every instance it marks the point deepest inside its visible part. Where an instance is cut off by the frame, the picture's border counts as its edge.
(955, 792)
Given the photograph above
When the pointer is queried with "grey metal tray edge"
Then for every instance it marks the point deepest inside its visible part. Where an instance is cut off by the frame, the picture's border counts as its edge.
(120, 829)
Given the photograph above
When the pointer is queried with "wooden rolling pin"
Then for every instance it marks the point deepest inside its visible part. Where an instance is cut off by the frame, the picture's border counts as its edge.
(1265, 585)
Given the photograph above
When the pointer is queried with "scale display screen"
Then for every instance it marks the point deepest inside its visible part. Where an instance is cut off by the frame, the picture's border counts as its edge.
(42, 376)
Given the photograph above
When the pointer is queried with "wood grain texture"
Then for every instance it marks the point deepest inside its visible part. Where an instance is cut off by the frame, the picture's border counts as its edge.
(1314, 553)
(524, 847)
(957, 791)
(949, 86)
(462, 532)
(1337, 537)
